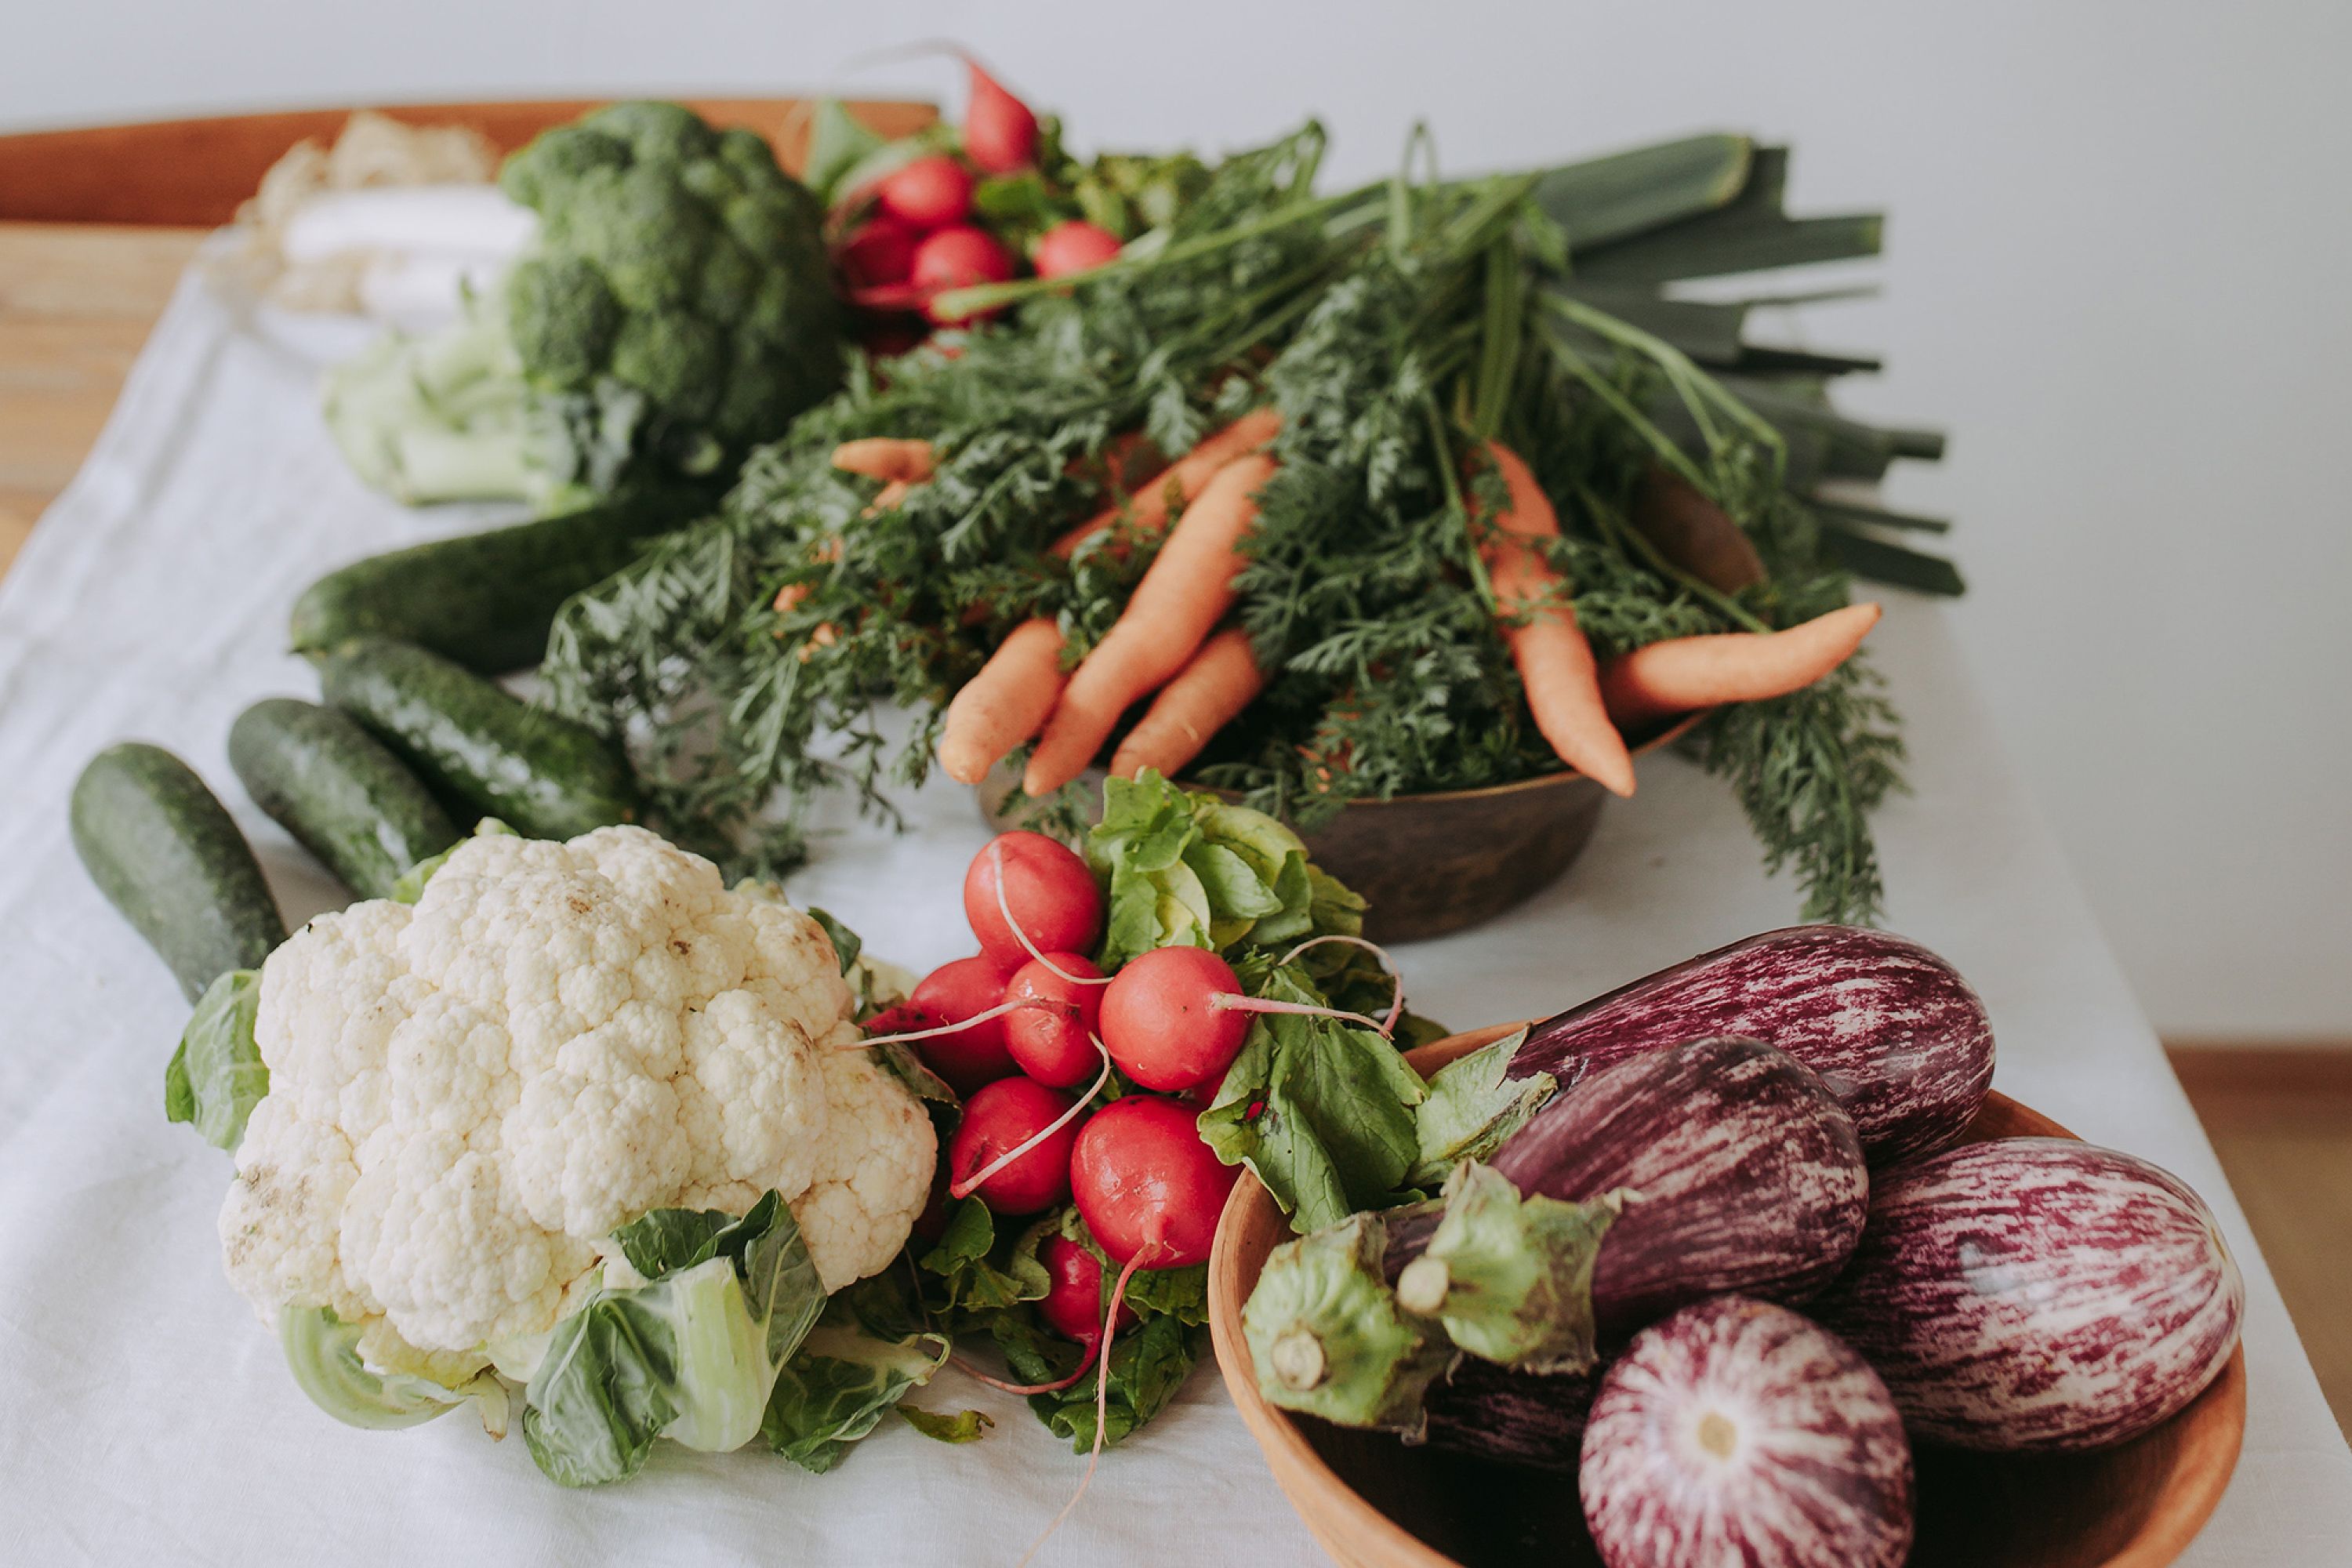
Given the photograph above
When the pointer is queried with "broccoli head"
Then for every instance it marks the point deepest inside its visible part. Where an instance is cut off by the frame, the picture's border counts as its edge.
(697, 238)
(675, 310)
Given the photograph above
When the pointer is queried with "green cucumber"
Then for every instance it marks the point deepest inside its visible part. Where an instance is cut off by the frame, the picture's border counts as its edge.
(338, 790)
(544, 775)
(485, 600)
(165, 851)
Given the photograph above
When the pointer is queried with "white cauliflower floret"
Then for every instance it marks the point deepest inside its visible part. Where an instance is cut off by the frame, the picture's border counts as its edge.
(467, 1098)
(857, 1212)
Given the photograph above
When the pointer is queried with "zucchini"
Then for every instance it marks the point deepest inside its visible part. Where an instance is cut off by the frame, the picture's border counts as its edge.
(544, 775)
(487, 600)
(338, 790)
(165, 853)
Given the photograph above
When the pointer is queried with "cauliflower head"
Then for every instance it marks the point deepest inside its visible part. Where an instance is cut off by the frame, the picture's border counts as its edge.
(469, 1096)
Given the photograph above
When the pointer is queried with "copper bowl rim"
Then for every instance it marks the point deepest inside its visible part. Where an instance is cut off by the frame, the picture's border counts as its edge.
(2174, 1521)
(1662, 738)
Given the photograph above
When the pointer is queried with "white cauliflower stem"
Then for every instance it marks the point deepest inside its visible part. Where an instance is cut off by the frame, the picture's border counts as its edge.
(468, 1097)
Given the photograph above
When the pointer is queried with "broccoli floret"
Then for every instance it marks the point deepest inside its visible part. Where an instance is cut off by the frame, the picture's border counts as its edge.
(562, 316)
(677, 310)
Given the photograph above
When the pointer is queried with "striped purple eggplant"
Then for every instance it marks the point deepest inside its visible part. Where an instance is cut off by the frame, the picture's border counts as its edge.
(1738, 1431)
(1741, 1174)
(1531, 1420)
(1892, 1029)
(1712, 1166)
(2038, 1293)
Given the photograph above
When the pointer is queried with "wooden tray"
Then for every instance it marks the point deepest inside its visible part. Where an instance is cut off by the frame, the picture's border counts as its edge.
(2136, 1506)
(196, 172)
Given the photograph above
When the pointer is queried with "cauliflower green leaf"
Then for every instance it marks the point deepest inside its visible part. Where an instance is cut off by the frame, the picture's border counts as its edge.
(692, 1355)
(217, 1077)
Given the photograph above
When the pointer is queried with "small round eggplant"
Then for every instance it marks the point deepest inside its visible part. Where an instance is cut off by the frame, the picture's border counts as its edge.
(1738, 1432)
(2038, 1293)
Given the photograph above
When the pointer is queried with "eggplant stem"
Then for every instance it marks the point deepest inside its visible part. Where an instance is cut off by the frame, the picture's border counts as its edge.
(1422, 1287)
(1299, 1361)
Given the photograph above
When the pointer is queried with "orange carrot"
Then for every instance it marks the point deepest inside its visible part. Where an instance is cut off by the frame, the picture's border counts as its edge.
(1148, 505)
(1556, 663)
(1687, 673)
(1005, 703)
(1208, 694)
(885, 458)
(1187, 591)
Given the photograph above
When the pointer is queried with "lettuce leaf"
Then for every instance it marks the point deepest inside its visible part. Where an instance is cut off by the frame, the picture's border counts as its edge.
(1189, 869)
(1321, 1112)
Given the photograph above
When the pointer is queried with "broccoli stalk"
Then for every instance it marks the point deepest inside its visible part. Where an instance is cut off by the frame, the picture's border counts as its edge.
(675, 311)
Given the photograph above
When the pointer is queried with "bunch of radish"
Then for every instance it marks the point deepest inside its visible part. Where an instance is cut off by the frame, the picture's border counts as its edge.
(1623, 1311)
(1028, 1030)
(909, 235)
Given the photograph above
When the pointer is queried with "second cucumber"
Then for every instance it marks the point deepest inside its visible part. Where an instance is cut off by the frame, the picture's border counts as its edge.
(338, 790)
(472, 742)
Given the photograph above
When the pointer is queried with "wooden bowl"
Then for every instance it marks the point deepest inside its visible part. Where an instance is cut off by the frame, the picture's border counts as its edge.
(1432, 864)
(2135, 1506)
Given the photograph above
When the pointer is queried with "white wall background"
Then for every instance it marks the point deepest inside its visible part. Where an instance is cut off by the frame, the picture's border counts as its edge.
(2117, 273)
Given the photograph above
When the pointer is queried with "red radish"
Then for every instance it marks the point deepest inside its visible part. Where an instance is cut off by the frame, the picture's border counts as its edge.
(1000, 131)
(881, 252)
(1146, 1185)
(1076, 245)
(1050, 1031)
(964, 989)
(1047, 894)
(959, 257)
(1073, 1303)
(1738, 1431)
(930, 193)
(1162, 1022)
(998, 1119)
(1174, 1018)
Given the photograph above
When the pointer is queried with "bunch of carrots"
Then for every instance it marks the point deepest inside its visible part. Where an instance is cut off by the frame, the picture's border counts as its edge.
(1170, 645)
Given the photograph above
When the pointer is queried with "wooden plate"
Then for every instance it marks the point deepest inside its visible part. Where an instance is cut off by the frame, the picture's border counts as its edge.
(2136, 1506)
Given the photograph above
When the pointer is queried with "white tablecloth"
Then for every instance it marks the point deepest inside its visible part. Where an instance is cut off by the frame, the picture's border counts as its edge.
(146, 1416)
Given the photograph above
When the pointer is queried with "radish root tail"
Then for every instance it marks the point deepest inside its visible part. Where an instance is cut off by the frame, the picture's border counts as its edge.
(1396, 1007)
(1102, 1402)
(1004, 908)
(963, 1188)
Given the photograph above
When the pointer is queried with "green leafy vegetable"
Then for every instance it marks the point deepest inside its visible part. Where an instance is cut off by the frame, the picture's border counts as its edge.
(1472, 1108)
(1321, 1112)
(322, 1352)
(868, 1350)
(972, 1274)
(693, 1354)
(1147, 1366)
(963, 1427)
(217, 1077)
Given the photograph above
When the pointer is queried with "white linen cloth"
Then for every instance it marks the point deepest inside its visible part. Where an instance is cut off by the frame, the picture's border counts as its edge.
(148, 1415)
